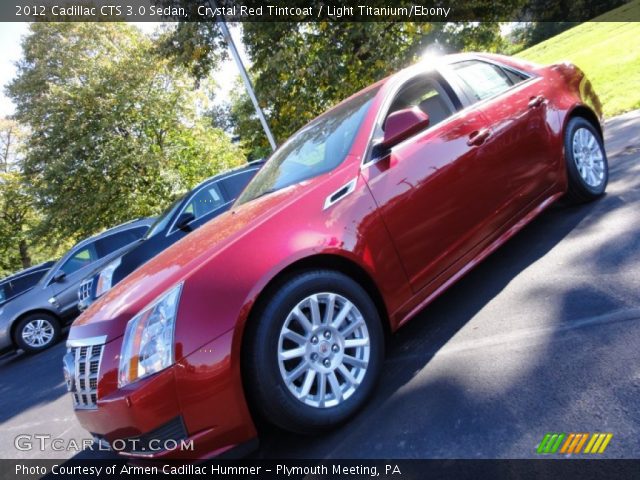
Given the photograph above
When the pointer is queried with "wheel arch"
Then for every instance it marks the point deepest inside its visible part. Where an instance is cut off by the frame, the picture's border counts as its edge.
(323, 261)
(320, 261)
(14, 324)
(583, 111)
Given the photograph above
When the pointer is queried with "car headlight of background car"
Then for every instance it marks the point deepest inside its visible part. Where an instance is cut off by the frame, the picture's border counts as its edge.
(105, 277)
(148, 347)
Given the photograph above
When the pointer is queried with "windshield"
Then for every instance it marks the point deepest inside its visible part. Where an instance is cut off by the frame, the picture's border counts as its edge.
(317, 148)
(161, 222)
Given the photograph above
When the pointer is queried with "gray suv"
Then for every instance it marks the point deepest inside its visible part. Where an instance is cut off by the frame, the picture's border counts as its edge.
(32, 321)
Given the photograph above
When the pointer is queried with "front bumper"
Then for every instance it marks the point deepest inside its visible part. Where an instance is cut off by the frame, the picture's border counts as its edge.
(203, 391)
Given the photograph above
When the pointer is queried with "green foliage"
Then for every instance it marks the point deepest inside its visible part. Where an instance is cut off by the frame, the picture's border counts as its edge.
(302, 69)
(17, 215)
(114, 129)
(607, 51)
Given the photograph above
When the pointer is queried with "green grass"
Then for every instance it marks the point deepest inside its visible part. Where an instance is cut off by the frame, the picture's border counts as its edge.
(608, 52)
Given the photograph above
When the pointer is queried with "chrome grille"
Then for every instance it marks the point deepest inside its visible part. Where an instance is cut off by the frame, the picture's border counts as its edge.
(84, 291)
(82, 365)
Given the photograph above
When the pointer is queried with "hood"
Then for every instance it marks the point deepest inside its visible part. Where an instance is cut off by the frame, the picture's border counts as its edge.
(110, 314)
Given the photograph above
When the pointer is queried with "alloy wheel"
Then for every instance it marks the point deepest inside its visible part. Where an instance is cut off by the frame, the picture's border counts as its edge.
(589, 157)
(323, 350)
(38, 333)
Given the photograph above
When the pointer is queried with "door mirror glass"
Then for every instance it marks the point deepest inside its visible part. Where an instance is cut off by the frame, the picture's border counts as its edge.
(184, 220)
(402, 124)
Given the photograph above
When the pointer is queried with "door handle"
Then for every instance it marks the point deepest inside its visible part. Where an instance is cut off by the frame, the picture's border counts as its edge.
(478, 137)
(536, 101)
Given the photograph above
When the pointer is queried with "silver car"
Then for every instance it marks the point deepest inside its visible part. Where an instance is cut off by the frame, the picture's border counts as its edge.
(32, 321)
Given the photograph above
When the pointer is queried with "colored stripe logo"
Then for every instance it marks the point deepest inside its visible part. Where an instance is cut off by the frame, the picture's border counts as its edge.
(573, 443)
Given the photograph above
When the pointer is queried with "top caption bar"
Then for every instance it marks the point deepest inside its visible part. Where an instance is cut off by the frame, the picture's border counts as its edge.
(309, 11)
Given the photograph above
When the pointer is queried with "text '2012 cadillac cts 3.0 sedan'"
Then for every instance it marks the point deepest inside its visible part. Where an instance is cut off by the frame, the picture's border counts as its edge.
(277, 308)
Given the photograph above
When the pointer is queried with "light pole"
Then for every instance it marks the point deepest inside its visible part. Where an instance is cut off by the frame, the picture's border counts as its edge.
(243, 73)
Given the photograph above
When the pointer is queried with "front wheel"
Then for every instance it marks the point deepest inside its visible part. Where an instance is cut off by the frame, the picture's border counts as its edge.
(586, 161)
(37, 332)
(314, 353)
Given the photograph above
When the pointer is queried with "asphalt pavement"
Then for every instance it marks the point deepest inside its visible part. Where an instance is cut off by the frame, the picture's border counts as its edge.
(543, 336)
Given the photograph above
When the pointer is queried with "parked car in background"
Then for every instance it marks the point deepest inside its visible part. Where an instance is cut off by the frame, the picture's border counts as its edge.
(204, 202)
(277, 309)
(32, 321)
(20, 282)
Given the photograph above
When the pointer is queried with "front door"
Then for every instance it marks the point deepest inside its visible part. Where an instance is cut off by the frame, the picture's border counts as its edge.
(438, 192)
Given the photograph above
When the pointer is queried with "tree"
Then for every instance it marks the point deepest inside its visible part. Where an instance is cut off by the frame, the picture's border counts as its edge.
(18, 218)
(300, 70)
(114, 128)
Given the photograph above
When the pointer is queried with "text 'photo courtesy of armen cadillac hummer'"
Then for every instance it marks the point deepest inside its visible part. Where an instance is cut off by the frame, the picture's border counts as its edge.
(277, 308)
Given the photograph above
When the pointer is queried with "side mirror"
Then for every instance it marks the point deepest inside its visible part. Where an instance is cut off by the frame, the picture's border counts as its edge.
(402, 124)
(59, 276)
(184, 220)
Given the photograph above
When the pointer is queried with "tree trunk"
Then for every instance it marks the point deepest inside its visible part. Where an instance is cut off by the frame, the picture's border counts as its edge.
(24, 254)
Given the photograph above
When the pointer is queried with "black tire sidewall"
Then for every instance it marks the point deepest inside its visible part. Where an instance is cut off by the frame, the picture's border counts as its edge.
(24, 321)
(576, 182)
(269, 393)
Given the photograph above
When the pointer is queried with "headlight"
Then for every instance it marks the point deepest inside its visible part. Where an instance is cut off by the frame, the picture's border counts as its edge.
(105, 277)
(147, 347)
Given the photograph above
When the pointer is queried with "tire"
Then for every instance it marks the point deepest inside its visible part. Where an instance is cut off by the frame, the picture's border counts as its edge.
(586, 162)
(49, 332)
(265, 369)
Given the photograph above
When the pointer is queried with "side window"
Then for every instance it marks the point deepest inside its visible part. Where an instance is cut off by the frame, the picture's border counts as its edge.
(116, 241)
(139, 232)
(205, 201)
(81, 258)
(3, 295)
(482, 79)
(25, 282)
(236, 183)
(427, 94)
(514, 77)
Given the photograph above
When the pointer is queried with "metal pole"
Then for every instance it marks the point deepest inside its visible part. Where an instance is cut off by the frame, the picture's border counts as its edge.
(243, 73)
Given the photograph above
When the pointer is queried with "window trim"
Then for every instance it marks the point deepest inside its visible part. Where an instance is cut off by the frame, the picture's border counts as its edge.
(172, 227)
(449, 78)
(91, 245)
(437, 76)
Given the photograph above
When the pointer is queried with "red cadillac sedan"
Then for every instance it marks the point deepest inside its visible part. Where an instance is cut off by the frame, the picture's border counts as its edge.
(279, 308)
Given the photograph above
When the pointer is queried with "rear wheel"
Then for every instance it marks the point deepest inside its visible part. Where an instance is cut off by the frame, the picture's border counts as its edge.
(586, 161)
(37, 332)
(314, 353)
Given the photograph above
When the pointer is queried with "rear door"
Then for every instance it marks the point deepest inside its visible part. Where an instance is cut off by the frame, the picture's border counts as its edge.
(515, 105)
(438, 190)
